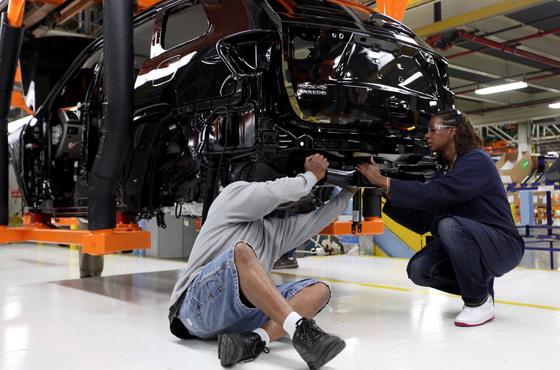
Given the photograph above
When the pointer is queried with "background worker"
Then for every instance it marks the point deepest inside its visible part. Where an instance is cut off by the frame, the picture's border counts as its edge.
(466, 208)
(226, 292)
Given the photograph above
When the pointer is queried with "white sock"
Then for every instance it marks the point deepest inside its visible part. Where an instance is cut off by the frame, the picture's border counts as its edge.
(290, 323)
(263, 334)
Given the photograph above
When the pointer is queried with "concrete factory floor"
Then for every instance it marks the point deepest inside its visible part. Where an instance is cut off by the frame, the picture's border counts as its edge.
(52, 320)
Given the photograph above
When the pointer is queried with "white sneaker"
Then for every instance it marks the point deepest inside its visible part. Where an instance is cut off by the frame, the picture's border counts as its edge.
(475, 316)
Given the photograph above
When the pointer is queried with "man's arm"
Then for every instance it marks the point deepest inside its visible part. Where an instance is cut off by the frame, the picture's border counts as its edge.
(297, 229)
(245, 202)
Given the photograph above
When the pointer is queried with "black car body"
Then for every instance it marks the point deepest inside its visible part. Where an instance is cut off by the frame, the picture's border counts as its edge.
(232, 90)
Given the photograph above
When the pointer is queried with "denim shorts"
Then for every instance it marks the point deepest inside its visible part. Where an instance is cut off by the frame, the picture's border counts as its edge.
(212, 303)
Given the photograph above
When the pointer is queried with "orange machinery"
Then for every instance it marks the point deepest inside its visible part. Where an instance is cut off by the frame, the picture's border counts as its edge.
(367, 204)
(125, 236)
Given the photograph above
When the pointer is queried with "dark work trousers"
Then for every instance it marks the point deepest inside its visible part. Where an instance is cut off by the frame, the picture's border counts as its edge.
(452, 263)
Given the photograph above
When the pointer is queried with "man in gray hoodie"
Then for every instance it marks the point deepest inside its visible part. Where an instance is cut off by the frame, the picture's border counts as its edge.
(225, 290)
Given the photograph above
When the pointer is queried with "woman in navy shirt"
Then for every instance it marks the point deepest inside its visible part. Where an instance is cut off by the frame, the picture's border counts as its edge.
(466, 209)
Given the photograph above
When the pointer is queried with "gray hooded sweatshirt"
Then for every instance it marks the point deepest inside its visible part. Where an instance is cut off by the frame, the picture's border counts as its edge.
(240, 212)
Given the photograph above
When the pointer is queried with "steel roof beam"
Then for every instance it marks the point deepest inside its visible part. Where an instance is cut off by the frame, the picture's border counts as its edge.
(507, 43)
(72, 9)
(468, 12)
(38, 14)
(509, 49)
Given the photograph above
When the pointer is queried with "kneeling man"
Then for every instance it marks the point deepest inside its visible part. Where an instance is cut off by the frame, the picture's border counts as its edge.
(225, 291)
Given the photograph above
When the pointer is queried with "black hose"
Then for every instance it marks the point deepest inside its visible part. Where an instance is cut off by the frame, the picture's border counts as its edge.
(10, 40)
(118, 69)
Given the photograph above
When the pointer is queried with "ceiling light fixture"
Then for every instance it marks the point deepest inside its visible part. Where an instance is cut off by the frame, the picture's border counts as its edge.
(501, 88)
(554, 105)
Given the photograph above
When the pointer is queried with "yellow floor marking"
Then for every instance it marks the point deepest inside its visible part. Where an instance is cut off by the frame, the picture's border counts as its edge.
(410, 290)
(407, 259)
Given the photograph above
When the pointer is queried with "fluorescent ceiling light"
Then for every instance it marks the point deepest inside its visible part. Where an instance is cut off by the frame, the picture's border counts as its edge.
(501, 88)
(554, 105)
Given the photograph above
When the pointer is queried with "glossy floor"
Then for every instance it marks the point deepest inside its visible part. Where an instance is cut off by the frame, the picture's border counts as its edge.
(51, 320)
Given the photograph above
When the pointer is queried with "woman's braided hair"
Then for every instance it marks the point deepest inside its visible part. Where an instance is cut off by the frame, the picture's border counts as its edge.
(466, 138)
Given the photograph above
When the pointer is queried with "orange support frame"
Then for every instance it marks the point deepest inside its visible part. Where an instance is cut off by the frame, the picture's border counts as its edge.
(125, 236)
(65, 221)
(98, 242)
(373, 226)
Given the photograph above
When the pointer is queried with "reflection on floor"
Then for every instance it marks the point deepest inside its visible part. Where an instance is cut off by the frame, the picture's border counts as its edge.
(49, 319)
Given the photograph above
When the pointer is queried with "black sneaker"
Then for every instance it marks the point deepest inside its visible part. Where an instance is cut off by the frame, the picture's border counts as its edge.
(237, 347)
(286, 262)
(314, 345)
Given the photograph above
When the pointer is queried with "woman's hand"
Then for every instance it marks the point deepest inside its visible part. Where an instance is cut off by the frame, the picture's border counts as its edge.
(372, 174)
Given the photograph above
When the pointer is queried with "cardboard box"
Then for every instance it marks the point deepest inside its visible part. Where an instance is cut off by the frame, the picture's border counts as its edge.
(507, 161)
(519, 172)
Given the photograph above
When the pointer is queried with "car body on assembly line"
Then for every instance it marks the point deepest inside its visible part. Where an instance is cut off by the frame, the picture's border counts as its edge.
(230, 90)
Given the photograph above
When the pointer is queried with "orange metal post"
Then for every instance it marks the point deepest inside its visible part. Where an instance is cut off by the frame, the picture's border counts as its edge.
(17, 78)
(17, 101)
(15, 12)
(393, 8)
(144, 4)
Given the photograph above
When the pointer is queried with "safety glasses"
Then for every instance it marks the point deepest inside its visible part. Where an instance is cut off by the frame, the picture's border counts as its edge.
(435, 128)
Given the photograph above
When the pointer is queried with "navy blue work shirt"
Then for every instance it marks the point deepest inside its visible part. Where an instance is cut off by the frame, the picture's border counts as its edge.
(473, 194)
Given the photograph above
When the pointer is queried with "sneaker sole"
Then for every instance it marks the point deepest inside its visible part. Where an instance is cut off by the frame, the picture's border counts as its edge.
(285, 267)
(223, 343)
(465, 325)
(331, 353)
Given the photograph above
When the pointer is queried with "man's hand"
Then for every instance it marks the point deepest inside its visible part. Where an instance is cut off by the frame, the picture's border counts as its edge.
(317, 164)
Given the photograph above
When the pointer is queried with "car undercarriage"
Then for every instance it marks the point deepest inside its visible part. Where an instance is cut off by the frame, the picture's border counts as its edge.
(245, 100)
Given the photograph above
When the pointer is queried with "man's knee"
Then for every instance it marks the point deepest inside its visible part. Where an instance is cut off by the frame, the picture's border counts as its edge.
(323, 292)
(244, 254)
(320, 294)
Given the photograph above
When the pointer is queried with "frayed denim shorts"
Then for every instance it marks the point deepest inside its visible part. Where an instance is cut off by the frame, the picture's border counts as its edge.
(212, 303)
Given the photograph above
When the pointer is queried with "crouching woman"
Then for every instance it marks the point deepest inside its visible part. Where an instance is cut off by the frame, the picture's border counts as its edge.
(466, 209)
